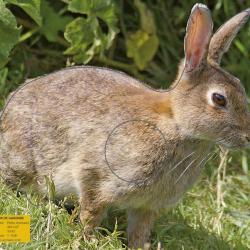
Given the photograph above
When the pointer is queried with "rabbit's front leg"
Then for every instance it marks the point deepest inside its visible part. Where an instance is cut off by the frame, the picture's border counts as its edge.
(91, 215)
(139, 227)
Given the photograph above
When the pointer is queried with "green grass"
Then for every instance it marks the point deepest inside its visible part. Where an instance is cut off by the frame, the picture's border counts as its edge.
(198, 222)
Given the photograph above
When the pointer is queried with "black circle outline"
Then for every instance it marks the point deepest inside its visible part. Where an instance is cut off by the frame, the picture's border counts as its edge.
(111, 133)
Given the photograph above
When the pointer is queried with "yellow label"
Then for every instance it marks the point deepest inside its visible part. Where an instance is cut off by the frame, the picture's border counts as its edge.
(14, 228)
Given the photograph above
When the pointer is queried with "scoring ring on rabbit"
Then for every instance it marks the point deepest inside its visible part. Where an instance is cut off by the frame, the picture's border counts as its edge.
(120, 171)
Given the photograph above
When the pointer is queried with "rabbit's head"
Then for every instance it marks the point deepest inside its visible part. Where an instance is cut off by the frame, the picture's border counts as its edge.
(210, 103)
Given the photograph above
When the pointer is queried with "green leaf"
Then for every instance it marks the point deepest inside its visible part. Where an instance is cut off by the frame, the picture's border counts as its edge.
(31, 7)
(106, 10)
(146, 17)
(9, 33)
(143, 44)
(100, 8)
(53, 23)
(141, 47)
(82, 33)
(87, 36)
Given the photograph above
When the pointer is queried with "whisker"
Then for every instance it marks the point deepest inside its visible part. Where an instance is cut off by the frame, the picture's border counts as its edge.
(181, 161)
(202, 163)
(207, 158)
(184, 171)
(215, 157)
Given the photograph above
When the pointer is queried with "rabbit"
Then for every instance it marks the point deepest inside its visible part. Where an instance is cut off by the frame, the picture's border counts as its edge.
(109, 139)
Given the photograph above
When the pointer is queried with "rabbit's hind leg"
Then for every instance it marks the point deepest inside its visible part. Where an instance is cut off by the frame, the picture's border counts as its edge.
(16, 168)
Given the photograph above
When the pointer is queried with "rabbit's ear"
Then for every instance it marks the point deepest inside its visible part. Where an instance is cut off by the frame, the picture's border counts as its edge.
(198, 33)
(223, 37)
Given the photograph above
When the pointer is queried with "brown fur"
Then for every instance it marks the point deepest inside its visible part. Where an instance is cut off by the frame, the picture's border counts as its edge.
(163, 107)
(59, 125)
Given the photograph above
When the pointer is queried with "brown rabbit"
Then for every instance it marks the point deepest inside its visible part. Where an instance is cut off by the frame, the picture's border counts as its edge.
(111, 140)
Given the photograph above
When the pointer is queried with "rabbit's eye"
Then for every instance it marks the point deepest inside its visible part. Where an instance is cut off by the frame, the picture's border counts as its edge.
(219, 99)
